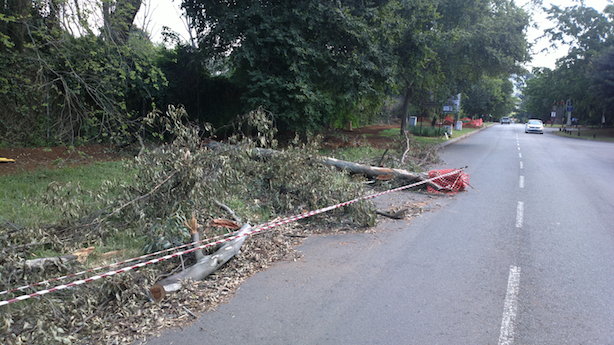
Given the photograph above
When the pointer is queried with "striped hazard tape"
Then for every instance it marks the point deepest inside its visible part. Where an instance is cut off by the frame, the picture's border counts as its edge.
(255, 230)
(116, 264)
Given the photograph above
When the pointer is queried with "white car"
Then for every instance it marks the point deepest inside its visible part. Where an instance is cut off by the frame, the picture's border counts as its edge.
(534, 126)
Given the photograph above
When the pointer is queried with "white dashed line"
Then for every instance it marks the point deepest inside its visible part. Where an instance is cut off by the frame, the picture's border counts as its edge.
(521, 182)
(510, 307)
(521, 165)
(519, 214)
(519, 155)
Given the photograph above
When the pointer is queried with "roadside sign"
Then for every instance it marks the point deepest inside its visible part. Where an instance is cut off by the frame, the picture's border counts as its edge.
(553, 114)
(570, 108)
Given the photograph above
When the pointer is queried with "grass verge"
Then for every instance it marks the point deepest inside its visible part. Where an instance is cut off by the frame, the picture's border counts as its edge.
(596, 134)
(20, 192)
(360, 154)
(394, 132)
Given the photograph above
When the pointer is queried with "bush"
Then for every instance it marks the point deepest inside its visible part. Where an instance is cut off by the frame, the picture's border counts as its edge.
(427, 131)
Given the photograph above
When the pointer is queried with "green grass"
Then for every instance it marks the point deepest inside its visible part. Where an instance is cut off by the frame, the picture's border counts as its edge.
(394, 132)
(391, 132)
(354, 154)
(456, 134)
(19, 192)
(430, 140)
(596, 134)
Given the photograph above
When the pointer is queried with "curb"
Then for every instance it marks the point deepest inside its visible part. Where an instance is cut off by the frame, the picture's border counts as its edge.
(452, 141)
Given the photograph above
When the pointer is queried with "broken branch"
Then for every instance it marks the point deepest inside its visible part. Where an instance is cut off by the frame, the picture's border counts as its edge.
(203, 267)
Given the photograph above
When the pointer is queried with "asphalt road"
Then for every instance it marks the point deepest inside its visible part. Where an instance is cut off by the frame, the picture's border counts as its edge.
(527, 257)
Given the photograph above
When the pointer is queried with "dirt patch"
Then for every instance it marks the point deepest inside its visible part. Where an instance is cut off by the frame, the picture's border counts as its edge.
(28, 159)
(368, 135)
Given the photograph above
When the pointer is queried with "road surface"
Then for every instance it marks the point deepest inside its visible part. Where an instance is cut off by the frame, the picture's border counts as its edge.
(527, 257)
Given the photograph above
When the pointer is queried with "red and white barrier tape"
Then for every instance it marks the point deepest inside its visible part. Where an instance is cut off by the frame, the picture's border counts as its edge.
(256, 230)
(72, 275)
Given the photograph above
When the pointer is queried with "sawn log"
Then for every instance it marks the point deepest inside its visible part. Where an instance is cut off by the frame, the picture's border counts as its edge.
(202, 268)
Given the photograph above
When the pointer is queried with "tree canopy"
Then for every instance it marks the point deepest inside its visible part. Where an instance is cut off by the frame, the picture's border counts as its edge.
(489, 97)
(92, 73)
(309, 62)
(582, 77)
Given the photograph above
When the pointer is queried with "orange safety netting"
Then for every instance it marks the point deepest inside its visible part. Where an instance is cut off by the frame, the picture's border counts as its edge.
(448, 120)
(450, 184)
(467, 122)
(474, 123)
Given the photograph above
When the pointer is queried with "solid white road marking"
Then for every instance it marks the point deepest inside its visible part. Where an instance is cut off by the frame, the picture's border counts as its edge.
(521, 182)
(510, 307)
(521, 165)
(519, 214)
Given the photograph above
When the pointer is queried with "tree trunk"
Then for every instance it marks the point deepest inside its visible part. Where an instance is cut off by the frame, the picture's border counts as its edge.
(203, 267)
(375, 172)
(17, 30)
(352, 167)
(404, 109)
(118, 20)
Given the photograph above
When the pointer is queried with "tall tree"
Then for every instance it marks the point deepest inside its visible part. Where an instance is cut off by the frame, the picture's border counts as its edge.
(465, 40)
(603, 81)
(118, 18)
(311, 63)
(589, 34)
(489, 96)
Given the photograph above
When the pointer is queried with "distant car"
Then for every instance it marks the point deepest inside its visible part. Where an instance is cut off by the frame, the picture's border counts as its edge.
(506, 120)
(534, 126)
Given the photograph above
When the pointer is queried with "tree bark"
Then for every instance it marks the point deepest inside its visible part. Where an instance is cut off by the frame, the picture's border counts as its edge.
(352, 167)
(370, 171)
(79, 255)
(118, 18)
(203, 267)
(41, 263)
(17, 30)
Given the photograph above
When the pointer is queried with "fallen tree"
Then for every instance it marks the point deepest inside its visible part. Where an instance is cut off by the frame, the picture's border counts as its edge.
(374, 172)
(202, 268)
(351, 167)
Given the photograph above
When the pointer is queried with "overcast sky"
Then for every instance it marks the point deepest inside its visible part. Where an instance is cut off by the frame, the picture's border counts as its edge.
(167, 13)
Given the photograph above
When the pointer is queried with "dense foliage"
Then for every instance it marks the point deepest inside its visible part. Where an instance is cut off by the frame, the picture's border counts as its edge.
(315, 64)
(92, 74)
(311, 63)
(56, 86)
(490, 98)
